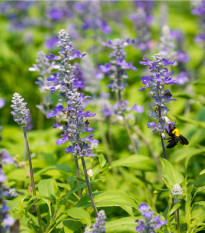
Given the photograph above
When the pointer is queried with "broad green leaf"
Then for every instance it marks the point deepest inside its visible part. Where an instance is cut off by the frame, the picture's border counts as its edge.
(138, 162)
(199, 203)
(188, 120)
(79, 214)
(174, 208)
(202, 172)
(181, 154)
(170, 174)
(110, 198)
(61, 167)
(200, 189)
(121, 225)
(48, 187)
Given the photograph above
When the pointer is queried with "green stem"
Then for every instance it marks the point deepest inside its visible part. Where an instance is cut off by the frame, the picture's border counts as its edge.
(105, 142)
(129, 134)
(178, 221)
(77, 173)
(88, 186)
(32, 179)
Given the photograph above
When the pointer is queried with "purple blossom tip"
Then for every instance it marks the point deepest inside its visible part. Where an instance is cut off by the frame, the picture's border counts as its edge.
(51, 56)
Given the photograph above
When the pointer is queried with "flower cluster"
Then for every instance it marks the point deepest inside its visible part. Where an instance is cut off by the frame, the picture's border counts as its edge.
(149, 224)
(167, 45)
(73, 116)
(142, 19)
(99, 225)
(181, 56)
(116, 70)
(17, 12)
(44, 68)
(90, 14)
(176, 190)
(20, 112)
(5, 220)
(200, 10)
(160, 76)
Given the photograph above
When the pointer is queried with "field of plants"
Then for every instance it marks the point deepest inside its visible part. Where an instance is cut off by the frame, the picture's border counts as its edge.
(102, 116)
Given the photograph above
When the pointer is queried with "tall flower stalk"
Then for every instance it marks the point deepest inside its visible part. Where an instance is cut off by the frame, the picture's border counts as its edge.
(70, 112)
(117, 71)
(20, 115)
(5, 220)
(160, 76)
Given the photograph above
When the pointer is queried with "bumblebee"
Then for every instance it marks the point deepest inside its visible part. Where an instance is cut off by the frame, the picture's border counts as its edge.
(175, 137)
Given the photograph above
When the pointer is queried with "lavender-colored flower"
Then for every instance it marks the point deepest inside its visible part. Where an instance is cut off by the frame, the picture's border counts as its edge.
(149, 224)
(167, 46)
(99, 225)
(90, 14)
(181, 57)
(200, 10)
(17, 13)
(44, 68)
(2, 102)
(142, 19)
(73, 116)
(160, 76)
(116, 70)
(5, 220)
(20, 112)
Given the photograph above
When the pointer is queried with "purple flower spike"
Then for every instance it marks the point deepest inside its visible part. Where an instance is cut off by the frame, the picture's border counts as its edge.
(150, 224)
(156, 81)
(67, 82)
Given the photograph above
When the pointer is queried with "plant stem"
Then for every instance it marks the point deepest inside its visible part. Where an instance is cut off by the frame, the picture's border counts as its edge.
(110, 136)
(77, 173)
(88, 185)
(178, 221)
(105, 142)
(162, 139)
(129, 134)
(32, 179)
(147, 143)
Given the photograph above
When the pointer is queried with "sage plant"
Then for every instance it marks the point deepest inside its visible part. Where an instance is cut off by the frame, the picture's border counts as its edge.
(117, 71)
(200, 10)
(20, 115)
(74, 117)
(150, 223)
(156, 81)
(44, 68)
(142, 19)
(99, 225)
(5, 220)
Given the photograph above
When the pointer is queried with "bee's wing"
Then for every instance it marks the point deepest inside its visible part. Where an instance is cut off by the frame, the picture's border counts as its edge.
(183, 140)
(172, 142)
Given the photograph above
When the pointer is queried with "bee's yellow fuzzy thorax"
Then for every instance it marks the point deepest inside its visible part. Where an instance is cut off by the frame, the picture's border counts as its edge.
(176, 132)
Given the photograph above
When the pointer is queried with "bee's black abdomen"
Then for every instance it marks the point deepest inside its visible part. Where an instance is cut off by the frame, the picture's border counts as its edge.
(172, 142)
(183, 140)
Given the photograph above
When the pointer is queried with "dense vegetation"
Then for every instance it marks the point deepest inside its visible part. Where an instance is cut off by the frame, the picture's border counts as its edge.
(121, 55)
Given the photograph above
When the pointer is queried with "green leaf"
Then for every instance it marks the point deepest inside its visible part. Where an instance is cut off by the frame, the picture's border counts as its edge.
(61, 167)
(193, 122)
(121, 225)
(202, 172)
(110, 198)
(174, 208)
(170, 174)
(199, 203)
(48, 187)
(138, 162)
(79, 214)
